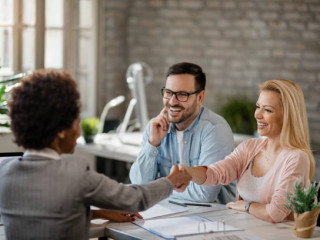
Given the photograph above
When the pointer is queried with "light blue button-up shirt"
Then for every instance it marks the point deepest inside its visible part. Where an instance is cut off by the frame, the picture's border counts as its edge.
(207, 140)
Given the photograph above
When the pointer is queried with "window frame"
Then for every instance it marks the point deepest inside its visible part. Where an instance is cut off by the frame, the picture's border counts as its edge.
(71, 12)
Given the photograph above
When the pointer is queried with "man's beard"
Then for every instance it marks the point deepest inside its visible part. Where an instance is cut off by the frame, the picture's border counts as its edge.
(185, 116)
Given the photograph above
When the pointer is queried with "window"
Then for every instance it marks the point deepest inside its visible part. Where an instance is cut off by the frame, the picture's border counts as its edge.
(6, 36)
(58, 34)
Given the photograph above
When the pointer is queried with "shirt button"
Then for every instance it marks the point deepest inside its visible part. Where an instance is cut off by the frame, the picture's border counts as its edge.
(185, 142)
(178, 162)
(155, 152)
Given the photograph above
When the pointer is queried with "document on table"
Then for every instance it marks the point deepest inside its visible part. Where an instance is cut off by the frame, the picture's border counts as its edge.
(171, 228)
(243, 235)
(159, 210)
(99, 221)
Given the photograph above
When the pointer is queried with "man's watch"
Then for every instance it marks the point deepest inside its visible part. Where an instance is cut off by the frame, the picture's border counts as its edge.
(246, 208)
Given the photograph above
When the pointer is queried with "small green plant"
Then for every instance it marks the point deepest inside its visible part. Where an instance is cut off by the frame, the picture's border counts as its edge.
(90, 126)
(3, 106)
(239, 113)
(303, 200)
(3, 99)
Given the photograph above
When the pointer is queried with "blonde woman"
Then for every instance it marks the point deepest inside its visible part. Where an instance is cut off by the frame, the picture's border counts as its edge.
(265, 167)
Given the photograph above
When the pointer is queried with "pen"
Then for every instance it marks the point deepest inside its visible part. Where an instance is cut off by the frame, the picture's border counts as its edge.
(177, 203)
(198, 204)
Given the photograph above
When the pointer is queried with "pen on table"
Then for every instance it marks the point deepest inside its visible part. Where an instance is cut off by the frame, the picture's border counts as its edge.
(198, 204)
(177, 203)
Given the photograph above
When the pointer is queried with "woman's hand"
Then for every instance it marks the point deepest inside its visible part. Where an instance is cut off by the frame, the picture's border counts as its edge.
(115, 216)
(198, 174)
(238, 205)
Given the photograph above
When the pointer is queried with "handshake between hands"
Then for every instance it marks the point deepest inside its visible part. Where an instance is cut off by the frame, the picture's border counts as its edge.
(179, 177)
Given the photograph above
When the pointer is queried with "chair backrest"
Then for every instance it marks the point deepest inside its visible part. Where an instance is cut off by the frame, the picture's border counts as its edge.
(4, 155)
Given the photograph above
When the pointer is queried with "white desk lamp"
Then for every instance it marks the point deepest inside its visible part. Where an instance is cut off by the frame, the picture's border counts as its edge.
(112, 103)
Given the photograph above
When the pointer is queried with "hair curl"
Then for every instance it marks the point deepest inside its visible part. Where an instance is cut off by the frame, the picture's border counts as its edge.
(45, 103)
(189, 68)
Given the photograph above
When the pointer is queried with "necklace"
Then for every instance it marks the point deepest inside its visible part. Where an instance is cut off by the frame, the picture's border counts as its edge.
(265, 156)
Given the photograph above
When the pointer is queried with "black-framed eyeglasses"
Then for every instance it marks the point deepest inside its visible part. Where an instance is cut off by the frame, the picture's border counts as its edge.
(181, 96)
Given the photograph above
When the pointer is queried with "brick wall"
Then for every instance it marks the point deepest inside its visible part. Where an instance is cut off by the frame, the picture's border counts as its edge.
(239, 44)
(113, 54)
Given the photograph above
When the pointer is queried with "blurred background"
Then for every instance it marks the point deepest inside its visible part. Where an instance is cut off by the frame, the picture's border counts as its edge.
(238, 43)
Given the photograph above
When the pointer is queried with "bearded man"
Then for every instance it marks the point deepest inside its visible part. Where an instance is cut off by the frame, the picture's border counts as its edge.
(185, 132)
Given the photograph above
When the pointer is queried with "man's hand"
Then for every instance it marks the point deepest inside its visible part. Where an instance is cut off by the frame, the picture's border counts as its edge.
(179, 179)
(115, 216)
(158, 128)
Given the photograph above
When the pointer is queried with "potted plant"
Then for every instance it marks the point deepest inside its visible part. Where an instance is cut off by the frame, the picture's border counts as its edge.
(239, 113)
(305, 206)
(3, 106)
(4, 88)
(89, 128)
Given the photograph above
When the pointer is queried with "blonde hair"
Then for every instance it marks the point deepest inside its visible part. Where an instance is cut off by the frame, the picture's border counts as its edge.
(295, 129)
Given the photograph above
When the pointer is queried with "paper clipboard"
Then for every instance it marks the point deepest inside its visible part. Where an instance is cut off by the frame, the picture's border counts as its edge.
(170, 228)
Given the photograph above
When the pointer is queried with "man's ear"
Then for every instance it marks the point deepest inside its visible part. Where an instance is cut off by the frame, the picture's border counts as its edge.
(61, 134)
(201, 96)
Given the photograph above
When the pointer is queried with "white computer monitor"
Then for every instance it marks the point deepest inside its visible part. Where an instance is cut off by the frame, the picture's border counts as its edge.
(138, 76)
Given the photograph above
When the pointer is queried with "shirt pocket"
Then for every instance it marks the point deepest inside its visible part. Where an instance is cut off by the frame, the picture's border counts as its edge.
(194, 162)
(166, 162)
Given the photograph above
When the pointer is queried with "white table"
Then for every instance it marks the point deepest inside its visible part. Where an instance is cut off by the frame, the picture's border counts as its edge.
(114, 146)
(6, 141)
(231, 217)
(241, 220)
(110, 146)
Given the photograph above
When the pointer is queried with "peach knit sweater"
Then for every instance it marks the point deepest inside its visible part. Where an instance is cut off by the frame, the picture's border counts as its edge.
(291, 164)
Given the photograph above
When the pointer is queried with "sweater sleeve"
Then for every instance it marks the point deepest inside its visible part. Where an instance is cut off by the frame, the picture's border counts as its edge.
(231, 168)
(296, 166)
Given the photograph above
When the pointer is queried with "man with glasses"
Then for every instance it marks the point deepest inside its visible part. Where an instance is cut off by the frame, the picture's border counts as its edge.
(185, 132)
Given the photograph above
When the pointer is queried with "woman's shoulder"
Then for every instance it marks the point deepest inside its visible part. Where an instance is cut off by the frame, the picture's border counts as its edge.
(9, 162)
(75, 162)
(295, 154)
(253, 143)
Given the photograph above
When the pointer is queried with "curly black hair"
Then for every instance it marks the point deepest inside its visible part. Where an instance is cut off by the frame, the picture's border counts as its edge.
(45, 103)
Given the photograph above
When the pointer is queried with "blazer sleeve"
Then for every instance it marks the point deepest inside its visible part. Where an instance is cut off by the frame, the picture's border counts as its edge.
(101, 191)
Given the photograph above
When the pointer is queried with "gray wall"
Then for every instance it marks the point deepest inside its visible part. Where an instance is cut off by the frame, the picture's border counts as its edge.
(239, 44)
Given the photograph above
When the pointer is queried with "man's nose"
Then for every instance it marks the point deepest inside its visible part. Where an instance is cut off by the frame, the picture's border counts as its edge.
(173, 99)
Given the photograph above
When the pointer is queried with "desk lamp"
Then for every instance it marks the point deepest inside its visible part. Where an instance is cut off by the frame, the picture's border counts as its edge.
(111, 104)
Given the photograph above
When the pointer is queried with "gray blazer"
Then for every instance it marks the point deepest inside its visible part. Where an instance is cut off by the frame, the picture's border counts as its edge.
(50, 199)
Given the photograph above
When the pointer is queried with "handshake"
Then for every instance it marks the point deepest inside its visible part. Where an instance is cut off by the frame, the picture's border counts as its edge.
(179, 178)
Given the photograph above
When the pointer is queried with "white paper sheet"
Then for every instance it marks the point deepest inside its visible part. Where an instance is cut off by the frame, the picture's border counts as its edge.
(181, 226)
(159, 210)
(99, 221)
(243, 235)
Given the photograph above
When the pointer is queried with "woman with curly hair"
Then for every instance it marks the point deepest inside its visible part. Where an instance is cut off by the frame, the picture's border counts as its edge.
(43, 196)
